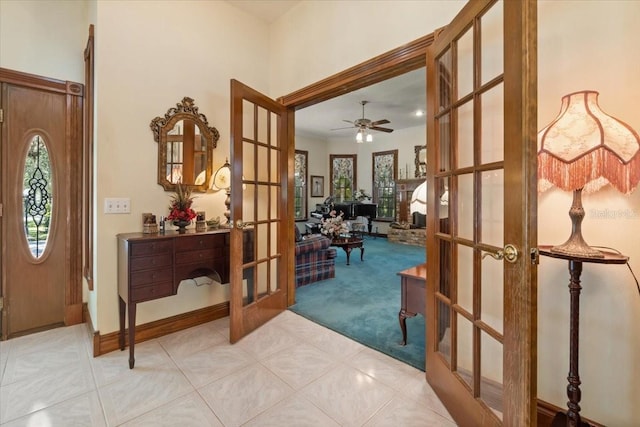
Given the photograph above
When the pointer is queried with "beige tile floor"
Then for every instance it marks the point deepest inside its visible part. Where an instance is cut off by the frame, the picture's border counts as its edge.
(291, 372)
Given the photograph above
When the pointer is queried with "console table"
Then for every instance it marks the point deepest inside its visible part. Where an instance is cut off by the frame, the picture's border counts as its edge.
(412, 295)
(151, 266)
(572, 416)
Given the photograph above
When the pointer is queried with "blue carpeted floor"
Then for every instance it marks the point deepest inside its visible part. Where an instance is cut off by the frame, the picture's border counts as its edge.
(363, 301)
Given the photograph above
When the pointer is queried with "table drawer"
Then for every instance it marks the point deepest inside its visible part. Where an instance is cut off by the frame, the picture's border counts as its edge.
(193, 243)
(147, 277)
(198, 256)
(151, 248)
(146, 293)
(150, 262)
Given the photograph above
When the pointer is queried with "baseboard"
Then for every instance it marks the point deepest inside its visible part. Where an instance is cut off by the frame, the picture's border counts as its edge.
(73, 314)
(109, 342)
(547, 411)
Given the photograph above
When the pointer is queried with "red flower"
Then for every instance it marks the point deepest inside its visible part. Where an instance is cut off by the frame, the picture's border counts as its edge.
(180, 206)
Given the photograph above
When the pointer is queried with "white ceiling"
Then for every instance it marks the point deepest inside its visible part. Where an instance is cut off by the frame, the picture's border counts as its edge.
(395, 99)
(267, 10)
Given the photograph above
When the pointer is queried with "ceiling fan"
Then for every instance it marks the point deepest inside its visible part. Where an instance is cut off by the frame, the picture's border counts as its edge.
(364, 124)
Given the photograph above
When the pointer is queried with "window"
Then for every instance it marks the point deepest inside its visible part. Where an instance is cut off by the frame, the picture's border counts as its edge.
(385, 173)
(300, 185)
(343, 176)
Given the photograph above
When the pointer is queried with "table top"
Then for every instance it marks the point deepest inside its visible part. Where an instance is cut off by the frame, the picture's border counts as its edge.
(417, 271)
(609, 257)
(344, 241)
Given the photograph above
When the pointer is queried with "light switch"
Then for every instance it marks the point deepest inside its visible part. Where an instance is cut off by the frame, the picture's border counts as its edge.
(117, 205)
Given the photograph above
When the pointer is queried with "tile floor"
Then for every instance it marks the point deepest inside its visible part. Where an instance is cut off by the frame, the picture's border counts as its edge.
(291, 372)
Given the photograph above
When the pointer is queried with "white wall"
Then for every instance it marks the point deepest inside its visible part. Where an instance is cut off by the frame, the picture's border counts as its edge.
(591, 45)
(46, 38)
(149, 55)
(582, 45)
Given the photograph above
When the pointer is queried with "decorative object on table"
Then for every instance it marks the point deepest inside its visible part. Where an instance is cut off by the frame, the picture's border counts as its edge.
(361, 195)
(180, 211)
(201, 224)
(317, 186)
(334, 226)
(222, 181)
(149, 224)
(584, 149)
(213, 223)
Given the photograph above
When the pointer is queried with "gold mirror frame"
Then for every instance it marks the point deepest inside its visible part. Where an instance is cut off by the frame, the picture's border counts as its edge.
(161, 126)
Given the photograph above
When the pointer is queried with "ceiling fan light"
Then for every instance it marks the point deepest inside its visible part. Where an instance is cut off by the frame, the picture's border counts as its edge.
(369, 137)
(359, 139)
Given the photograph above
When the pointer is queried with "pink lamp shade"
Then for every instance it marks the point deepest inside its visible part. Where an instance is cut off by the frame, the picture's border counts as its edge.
(585, 149)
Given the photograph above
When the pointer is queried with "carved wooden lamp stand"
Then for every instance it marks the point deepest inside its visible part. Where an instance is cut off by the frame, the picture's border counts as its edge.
(582, 150)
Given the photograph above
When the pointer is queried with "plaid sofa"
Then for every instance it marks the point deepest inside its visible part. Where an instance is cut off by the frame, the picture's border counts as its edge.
(315, 260)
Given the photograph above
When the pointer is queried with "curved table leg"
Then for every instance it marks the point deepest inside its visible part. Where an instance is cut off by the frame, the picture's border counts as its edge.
(402, 318)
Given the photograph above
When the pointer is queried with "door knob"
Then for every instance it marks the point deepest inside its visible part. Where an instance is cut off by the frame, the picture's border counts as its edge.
(242, 225)
(509, 254)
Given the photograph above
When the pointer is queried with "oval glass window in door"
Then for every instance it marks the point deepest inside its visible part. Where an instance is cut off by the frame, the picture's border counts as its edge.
(37, 196)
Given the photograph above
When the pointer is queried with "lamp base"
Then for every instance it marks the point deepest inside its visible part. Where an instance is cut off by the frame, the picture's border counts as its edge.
(576, 246)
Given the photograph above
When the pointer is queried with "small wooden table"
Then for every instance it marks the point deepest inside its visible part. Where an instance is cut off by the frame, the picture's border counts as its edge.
(412, 295)
(572, 416)
(347, 244)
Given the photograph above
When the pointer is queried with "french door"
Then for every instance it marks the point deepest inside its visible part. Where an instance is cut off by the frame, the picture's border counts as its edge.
(260, 254)
(481, 234)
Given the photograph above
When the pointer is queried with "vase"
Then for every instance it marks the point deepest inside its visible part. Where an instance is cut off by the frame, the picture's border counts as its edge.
(181, 224)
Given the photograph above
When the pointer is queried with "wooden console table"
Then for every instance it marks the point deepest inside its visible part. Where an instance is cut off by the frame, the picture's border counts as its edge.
(412, 295)
(151, 266)
(572, 416)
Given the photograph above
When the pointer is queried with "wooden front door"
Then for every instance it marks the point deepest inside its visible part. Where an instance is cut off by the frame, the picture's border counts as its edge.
(481, 135)
(40, 229)
(260, 158)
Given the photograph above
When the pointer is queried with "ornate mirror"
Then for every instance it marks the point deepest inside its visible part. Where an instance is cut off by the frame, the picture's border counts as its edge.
(185, 147)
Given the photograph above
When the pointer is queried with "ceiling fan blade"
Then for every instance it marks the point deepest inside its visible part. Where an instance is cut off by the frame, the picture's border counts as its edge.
(380, 122)
(348, 121)
(346, 127)
(387, 130)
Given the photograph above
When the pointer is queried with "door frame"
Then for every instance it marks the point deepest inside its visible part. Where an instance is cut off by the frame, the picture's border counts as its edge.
(73, 313)
(408, 57)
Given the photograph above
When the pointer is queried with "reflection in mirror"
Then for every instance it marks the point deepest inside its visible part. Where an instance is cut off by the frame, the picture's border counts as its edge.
(185, 147)
(421, 161)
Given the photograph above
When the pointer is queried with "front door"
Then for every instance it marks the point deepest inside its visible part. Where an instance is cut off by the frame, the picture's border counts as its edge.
(40, 152)
(481, 289)
(260, 225)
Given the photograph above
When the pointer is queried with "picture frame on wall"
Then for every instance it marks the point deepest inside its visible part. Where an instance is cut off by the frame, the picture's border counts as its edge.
(317, 186)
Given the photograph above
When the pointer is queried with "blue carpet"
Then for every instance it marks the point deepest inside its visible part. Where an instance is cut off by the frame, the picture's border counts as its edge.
(363, 301)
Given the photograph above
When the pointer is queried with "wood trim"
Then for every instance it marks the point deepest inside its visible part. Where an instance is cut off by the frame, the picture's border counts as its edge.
(547, 411)
(109, 342)
(403, 59)
(39, 82)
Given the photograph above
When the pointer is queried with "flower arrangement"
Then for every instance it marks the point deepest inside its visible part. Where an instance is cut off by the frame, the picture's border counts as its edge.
(333, 226)
(180, 206)
(361, 195)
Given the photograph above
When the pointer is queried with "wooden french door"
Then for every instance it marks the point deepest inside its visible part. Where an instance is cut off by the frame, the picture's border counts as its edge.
(259, 189)
(481, 286)
(40, 229)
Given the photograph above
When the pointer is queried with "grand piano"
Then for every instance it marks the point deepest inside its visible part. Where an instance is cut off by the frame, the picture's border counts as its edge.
(351, 210)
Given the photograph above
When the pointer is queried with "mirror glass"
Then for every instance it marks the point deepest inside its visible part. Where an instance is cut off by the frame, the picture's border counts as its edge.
(185, 147)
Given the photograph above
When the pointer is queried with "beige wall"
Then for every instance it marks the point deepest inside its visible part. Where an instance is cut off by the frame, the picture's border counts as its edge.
(147, 60)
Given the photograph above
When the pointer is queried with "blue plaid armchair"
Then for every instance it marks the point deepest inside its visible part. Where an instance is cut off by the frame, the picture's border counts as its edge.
(315, 259)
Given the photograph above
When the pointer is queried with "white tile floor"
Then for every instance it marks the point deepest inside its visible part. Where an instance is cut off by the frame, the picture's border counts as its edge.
(291, 372)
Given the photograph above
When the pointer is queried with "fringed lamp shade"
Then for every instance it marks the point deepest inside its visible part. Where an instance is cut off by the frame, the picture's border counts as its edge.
(585, 149)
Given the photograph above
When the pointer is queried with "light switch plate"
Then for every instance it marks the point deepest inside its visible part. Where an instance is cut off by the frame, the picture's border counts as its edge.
(117, 205)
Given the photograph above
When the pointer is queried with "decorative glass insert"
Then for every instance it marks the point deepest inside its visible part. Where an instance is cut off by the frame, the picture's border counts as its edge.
(343, 174)
(300, 185)
(385, 174)
(37, 196)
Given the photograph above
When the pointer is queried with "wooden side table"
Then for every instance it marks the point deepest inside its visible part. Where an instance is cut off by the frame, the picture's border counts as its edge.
(572, 416)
